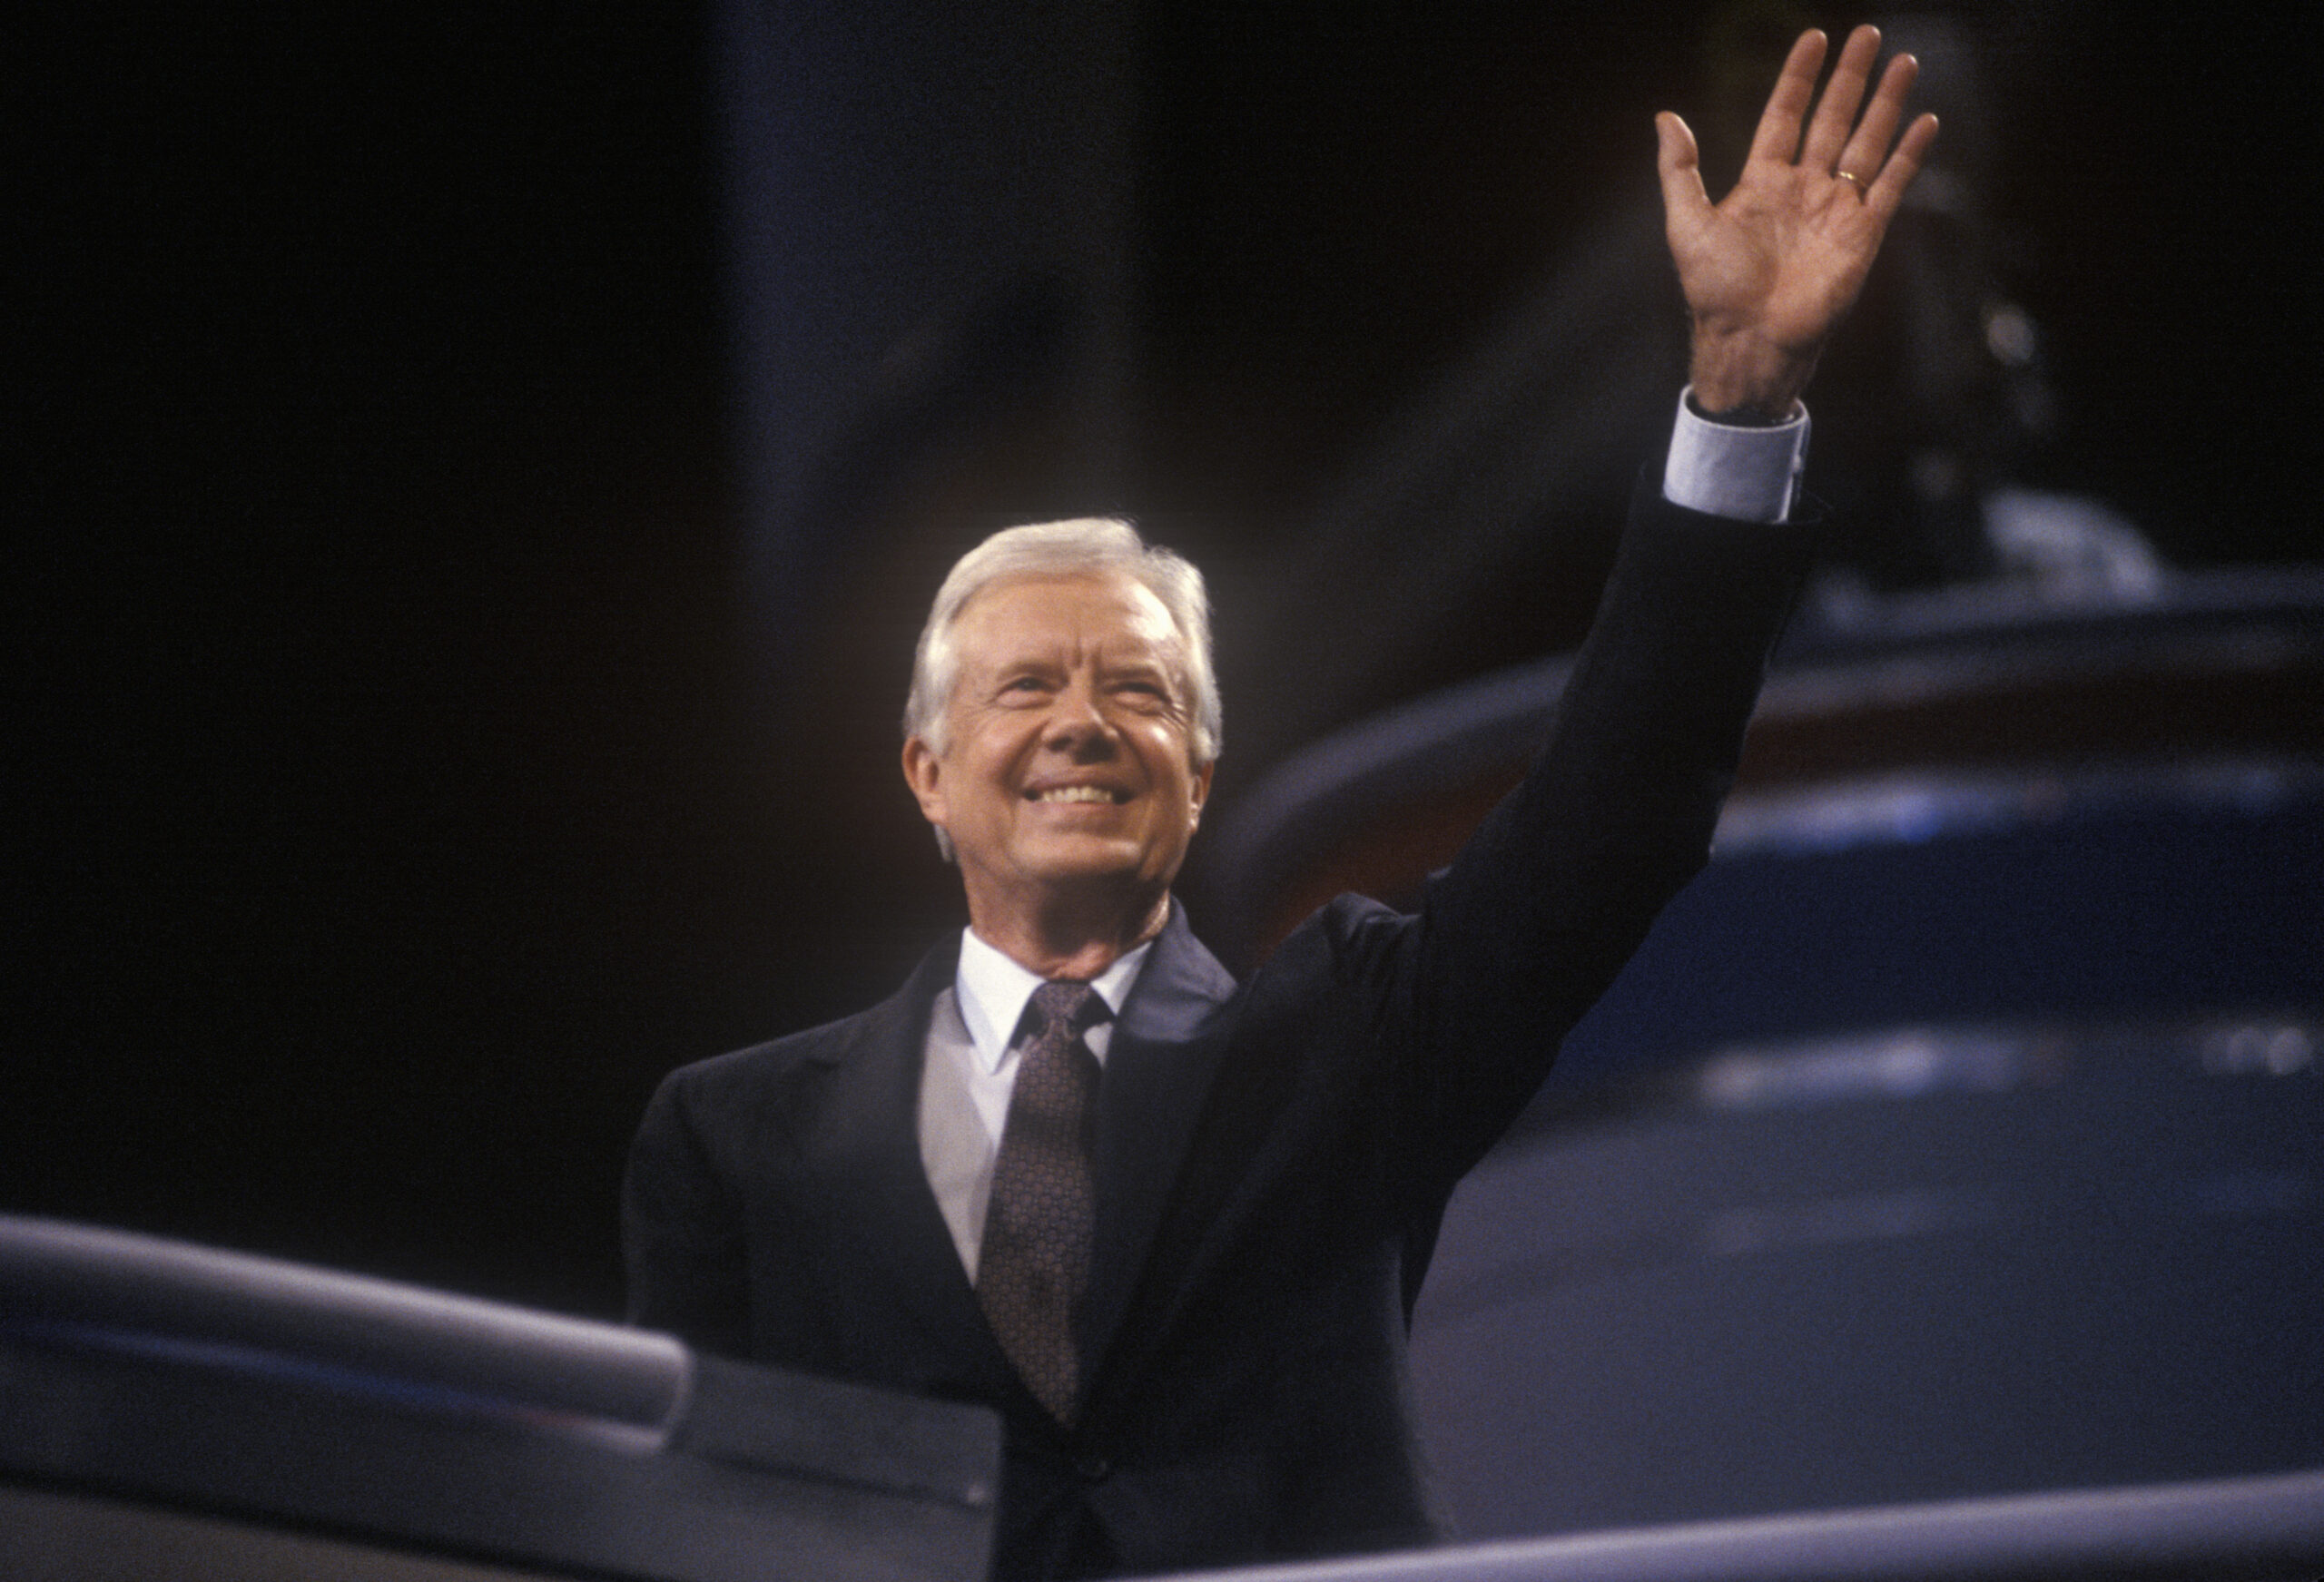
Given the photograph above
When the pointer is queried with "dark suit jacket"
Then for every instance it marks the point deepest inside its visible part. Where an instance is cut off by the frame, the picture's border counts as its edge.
(1273, 1157)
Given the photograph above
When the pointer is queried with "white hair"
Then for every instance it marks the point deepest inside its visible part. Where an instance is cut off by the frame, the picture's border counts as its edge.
(1080, 546)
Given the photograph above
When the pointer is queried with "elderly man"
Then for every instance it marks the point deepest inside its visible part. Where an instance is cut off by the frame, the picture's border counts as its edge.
(1169, 1225)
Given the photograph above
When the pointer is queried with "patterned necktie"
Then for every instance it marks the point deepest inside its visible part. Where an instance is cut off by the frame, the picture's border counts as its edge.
(1035, 1262)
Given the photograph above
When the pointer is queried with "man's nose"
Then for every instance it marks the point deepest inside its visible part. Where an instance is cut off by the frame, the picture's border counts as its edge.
(1077, 723)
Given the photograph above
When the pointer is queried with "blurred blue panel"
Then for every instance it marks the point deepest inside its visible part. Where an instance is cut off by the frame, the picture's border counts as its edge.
(1988, 1260)
(2166, 908)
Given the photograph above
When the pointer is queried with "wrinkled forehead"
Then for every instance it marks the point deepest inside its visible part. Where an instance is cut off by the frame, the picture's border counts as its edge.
(1108, 614)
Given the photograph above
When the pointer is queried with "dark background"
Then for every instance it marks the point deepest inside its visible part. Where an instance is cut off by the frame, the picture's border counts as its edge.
(399, 784)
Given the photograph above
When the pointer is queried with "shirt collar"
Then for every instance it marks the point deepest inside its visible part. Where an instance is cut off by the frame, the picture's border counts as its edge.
(993, 989)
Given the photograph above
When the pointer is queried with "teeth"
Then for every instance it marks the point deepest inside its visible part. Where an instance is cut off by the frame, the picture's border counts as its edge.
(1074, 793)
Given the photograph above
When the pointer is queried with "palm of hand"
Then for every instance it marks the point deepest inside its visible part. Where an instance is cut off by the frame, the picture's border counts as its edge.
(1786, 253)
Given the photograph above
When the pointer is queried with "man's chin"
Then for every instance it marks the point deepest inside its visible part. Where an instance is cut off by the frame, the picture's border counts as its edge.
(1094, 862)
(1091, 860)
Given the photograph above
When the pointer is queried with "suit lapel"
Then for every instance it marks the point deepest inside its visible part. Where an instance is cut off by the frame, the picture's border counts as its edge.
(1159, 1071)
(884, 1216)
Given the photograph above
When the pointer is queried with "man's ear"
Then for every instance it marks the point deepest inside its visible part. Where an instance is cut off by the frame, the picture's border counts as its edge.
(1202, 787)
(924, 773)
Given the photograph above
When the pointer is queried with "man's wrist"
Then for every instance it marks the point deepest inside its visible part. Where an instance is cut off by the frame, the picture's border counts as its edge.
(1743, 380)
(1744, 415)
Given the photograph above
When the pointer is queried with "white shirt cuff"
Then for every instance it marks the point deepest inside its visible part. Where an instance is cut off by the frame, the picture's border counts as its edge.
(1724, 470)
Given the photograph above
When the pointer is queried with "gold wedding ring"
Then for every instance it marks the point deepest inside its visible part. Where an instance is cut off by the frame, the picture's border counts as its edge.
(1862, 188)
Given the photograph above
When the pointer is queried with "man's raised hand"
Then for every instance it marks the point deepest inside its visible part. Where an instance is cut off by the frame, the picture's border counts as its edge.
(1770, 269)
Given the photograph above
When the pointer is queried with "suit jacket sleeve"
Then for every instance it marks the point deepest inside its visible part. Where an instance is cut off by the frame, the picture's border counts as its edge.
(1518, 938)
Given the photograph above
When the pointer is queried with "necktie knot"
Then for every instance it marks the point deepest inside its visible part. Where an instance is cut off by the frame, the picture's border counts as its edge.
(1066, 1007)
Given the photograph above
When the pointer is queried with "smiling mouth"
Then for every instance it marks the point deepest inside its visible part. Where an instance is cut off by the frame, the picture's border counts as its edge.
(1077, 793)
